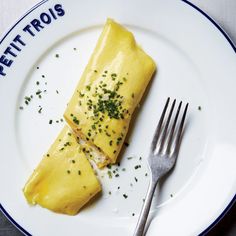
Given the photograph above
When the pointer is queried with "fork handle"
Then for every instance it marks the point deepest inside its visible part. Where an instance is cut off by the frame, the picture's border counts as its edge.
(139, 230)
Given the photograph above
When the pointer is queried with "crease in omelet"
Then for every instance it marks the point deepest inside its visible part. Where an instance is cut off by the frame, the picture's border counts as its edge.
(64, 180)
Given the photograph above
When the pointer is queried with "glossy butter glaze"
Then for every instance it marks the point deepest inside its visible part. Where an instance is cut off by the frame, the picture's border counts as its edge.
(109, 90)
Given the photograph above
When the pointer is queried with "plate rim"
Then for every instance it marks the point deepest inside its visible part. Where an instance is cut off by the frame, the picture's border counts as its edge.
(222, 31)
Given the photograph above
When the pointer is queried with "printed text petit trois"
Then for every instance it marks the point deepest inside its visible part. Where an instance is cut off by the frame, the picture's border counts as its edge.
(18, 43)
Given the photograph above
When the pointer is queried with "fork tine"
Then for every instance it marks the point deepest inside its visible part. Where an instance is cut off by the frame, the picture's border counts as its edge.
(163, 138)
(178, 138)
(173, 128)
(158, 128)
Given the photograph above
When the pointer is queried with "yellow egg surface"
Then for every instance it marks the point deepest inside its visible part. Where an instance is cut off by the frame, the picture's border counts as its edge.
(64, 180)
(109, 90)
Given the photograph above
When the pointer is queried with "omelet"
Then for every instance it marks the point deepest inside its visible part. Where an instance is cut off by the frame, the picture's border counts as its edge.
(108, 92)
(64, 180)
(98, 114)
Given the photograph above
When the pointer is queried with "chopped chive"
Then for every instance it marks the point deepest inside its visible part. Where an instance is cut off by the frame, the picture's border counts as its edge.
(137, 166)
(75, 120)
(27, 98)
(88, 87)
(109, 174)
(40, 110)
(81, 94)
(38, 92)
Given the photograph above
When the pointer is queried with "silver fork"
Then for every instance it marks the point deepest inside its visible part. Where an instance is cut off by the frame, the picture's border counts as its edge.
(162, 157)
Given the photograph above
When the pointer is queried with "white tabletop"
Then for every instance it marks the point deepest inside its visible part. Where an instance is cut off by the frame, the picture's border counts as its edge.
(222, 11)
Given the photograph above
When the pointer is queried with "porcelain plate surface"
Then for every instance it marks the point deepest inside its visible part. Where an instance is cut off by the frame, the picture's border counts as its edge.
(196, 64)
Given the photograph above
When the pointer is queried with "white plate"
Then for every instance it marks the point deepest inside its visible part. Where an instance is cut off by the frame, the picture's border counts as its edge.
(196, 62)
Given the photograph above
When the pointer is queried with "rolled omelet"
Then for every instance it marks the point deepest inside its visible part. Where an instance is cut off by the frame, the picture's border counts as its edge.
(64, 180)
(109, 90)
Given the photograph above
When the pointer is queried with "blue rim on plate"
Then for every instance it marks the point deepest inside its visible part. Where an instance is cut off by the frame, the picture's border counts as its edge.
(13, 221)
(231, 44)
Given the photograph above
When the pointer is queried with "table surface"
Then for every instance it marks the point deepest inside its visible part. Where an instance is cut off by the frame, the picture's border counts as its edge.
(223, 12)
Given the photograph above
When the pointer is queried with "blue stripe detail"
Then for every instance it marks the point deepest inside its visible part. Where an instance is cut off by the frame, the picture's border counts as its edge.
(13, 221)
(26, 14)
(233, 201)
(219, 218)
(214, 23)
(232, 45)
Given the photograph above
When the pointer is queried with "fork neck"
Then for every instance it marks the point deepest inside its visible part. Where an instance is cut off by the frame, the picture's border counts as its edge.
(139, 230)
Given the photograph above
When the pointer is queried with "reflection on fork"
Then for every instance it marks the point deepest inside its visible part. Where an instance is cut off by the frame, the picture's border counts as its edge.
(163, 154)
